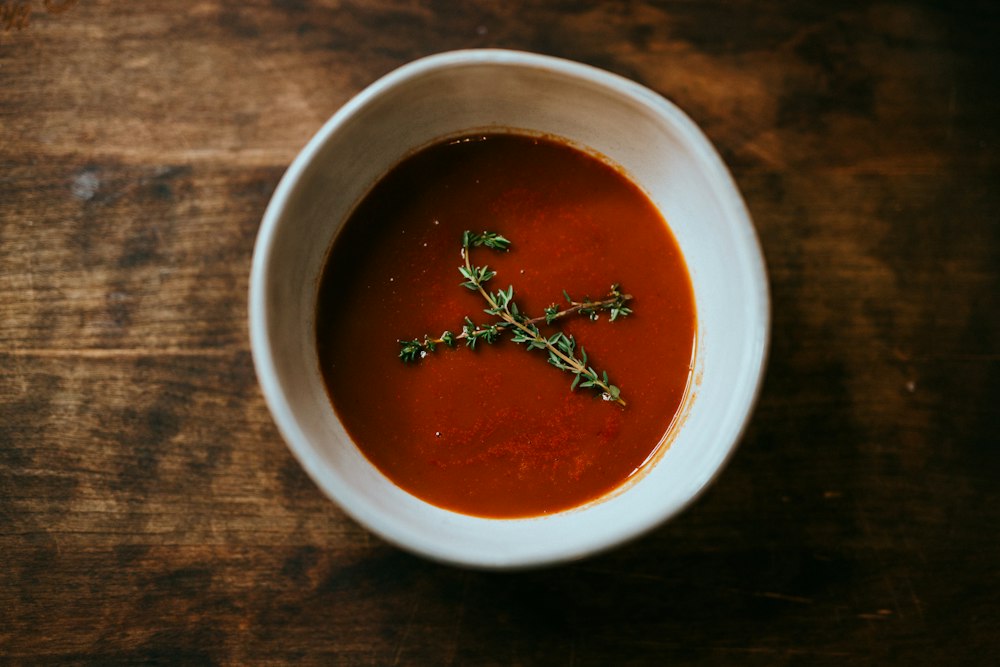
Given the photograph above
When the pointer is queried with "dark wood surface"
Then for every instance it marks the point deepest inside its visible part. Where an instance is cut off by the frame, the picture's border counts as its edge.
(150, 512)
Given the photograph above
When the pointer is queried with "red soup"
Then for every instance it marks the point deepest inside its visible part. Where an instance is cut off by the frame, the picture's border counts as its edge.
(497, 431)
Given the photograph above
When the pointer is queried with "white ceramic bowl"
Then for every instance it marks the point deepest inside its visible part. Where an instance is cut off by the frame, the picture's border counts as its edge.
(656, 144)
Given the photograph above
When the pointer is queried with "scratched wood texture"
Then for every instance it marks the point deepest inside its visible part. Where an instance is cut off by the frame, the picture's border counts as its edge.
(150, 513)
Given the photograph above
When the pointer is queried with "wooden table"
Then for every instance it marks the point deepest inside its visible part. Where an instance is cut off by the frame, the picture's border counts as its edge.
(150, 512)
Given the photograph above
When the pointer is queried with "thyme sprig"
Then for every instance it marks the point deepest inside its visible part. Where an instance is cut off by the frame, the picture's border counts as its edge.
(562, 350)
(614, 302)
(472, 333)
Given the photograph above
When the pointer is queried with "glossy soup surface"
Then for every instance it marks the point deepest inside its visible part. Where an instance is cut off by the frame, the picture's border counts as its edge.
(496, 431)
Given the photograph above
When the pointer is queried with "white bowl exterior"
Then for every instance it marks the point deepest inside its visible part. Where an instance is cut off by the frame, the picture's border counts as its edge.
(458, 92)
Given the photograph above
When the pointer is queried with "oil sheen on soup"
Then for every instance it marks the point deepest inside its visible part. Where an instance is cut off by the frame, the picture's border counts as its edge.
(496, 431)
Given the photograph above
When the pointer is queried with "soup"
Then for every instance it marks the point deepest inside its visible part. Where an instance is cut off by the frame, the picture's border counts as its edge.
(497, 431)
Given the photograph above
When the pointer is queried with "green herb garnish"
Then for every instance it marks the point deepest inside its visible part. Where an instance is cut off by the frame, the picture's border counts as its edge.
(563, 351)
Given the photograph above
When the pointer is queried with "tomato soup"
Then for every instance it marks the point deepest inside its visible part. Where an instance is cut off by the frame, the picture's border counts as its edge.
(496, 431)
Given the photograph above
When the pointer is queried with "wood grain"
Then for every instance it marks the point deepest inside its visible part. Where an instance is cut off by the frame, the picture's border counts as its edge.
(150, 513)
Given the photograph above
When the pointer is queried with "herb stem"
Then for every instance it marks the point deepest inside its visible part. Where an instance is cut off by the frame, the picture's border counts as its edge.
(562, 349)
(532, 332)
(577, 306)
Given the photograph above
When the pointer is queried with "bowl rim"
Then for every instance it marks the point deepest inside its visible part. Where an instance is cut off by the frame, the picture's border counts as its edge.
(261, 345)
